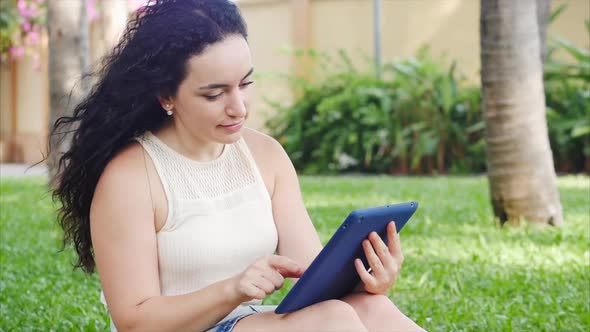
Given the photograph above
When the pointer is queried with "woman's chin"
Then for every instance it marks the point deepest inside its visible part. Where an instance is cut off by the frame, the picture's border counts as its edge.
(229, 138)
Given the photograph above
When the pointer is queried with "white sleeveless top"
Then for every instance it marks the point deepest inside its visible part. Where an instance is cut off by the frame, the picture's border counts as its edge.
(219, 216)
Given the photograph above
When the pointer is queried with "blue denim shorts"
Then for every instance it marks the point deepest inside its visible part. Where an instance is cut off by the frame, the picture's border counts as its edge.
(228, 323)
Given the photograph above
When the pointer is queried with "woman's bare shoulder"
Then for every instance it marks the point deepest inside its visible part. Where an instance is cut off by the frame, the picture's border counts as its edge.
(260, 141)
(269, 155)
(126, 170)
(263, 147)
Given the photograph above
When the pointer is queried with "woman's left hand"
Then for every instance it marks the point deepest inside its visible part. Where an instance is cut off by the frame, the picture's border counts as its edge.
(385, 261)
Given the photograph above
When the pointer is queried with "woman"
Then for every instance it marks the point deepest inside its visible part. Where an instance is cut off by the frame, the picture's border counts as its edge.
(190, 217)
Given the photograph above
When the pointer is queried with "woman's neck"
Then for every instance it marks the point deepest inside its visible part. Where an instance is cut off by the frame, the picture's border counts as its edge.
(189, 145)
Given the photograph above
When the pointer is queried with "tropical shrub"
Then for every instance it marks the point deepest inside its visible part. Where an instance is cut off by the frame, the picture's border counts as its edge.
(567, 93)
(418, 118)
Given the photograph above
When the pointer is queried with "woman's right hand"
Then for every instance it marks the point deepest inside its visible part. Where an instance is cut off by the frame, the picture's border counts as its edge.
(263, 278)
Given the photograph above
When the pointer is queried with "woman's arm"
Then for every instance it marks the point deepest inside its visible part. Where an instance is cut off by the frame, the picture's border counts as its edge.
(124, 241)
(298, 238)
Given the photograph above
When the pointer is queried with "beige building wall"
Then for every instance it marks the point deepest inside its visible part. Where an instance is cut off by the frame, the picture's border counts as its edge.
(24, 109)
(5, 99)
(270, 28)
(570, 24)
(449, 27)
(5, 110)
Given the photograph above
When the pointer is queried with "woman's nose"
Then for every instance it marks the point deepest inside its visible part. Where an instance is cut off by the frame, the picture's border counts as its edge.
(237, 106)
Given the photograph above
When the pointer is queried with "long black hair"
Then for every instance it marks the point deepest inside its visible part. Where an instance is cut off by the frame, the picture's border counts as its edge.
(149, 61)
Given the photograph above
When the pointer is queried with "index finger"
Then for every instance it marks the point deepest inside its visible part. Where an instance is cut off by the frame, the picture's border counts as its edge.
(284, 265)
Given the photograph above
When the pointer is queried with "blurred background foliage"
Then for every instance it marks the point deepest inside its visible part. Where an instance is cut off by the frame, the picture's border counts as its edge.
(567, 94)
(421, 116)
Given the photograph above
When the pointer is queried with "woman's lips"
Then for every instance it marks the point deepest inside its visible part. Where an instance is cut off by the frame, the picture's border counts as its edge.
(233, 127)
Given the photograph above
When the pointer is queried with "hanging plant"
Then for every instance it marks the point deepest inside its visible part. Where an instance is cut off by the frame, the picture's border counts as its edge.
(23, 21)
(21, 25)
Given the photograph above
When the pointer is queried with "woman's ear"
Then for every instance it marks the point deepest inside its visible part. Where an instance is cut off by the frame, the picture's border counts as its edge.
(166, 103)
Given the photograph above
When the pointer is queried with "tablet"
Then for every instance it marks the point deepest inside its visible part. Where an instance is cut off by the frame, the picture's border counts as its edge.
(332, 274)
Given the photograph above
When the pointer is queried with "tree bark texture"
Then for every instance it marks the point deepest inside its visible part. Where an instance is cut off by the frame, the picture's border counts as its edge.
(521, 174)
(68, 59)
(543, 13)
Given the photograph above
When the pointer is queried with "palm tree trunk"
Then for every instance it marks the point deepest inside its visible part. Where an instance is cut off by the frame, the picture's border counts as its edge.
(543, 13)
(440, 158)
(68, 58)
(520, 164)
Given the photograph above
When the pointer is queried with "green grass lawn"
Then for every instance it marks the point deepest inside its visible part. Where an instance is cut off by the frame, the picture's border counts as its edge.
(461, 272)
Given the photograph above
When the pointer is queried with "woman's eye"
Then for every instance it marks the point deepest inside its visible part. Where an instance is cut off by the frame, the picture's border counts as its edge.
(214, 97)
(211, 98)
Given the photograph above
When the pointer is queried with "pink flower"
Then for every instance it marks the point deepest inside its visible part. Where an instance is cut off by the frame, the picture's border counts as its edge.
(26, 9)
(33, 9)
(26, 25)
(91, 11)
(21, 5)
(17, 52)
(33, 37)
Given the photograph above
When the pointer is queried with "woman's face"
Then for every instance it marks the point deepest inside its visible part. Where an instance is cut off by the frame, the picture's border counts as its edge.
(212, 102)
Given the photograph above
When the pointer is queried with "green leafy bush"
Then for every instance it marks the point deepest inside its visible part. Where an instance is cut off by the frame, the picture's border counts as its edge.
(567, 93)
(418, 118)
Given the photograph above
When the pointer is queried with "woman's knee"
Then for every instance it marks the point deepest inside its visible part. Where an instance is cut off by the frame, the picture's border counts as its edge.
(335, 315)
(379, 313)
(381, 305)
(370, 305)
(381, 302)
(373, 308)
(335, 308)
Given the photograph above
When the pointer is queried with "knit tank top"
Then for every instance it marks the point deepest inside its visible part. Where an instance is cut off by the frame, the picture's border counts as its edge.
(219, 216)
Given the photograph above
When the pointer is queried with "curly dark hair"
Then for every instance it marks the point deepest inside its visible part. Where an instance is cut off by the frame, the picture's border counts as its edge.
(148, 62)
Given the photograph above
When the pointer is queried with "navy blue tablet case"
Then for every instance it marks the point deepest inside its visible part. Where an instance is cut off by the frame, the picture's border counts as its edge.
(332, 274)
